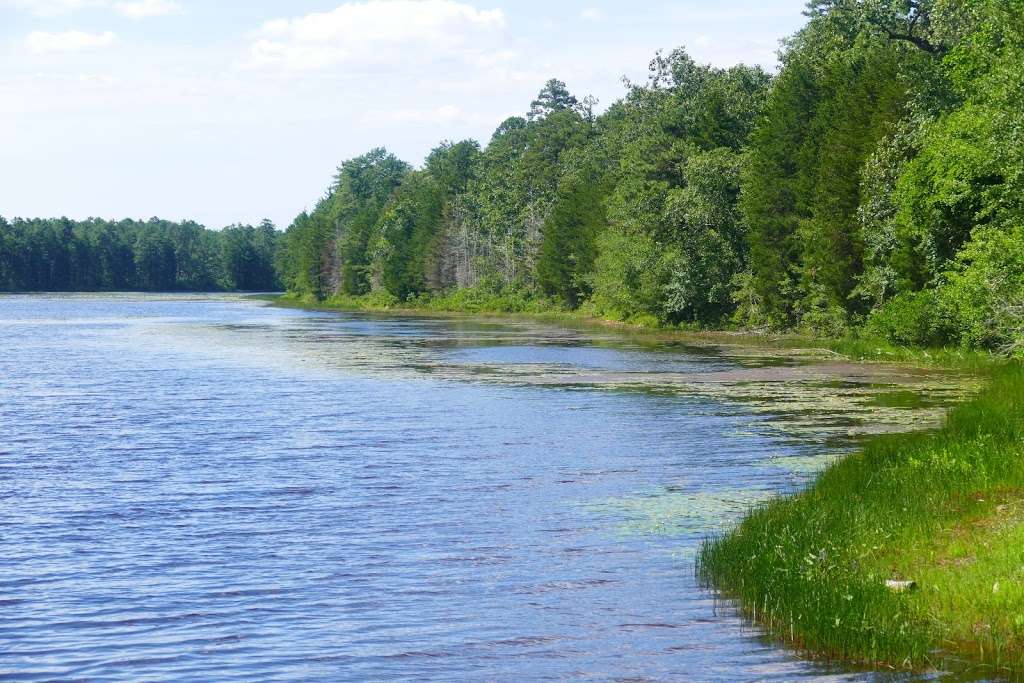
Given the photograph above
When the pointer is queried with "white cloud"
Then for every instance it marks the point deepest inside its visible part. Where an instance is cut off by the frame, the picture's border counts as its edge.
(67, 41)
(378, 31)
(128, 8)
(594, 14)
(148, 8)
(420, 72)
(446, 114)
(50, 8)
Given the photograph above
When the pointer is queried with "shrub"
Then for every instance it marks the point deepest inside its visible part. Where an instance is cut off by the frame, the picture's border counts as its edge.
(627, 278)
(985, 291)
(911, 319)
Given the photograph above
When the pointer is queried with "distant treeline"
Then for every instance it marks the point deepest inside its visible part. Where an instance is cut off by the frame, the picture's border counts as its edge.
(876, 181)
(97, 255)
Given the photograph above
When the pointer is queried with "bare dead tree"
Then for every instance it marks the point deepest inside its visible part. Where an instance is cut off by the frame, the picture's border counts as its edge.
(1010, 316)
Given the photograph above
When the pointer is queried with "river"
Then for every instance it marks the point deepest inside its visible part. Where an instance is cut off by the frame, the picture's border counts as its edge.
(214, 488)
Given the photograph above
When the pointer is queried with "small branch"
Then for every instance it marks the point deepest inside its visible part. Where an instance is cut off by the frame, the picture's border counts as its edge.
(917, 41)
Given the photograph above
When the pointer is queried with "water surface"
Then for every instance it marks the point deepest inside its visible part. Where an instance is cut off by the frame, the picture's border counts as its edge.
(211, 488)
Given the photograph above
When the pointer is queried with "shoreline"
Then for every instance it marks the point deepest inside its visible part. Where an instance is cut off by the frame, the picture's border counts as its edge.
(811, 569)
(854, 349)
(941, 513)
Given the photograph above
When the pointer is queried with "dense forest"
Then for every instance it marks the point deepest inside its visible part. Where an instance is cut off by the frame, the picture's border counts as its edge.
(874, 183)
(97, 255)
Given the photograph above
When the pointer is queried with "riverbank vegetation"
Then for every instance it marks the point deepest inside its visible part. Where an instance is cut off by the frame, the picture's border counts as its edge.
(855, 346)
(61, 255)
(944, 510)
(874, 186)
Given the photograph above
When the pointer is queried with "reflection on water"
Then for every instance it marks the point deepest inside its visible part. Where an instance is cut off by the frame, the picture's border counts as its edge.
(209, 488)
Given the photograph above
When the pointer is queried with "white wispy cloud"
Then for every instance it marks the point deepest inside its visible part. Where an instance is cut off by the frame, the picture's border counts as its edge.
(445, 114)
(594, 14)
(50, 8)
(41, 42)
(404, 73)
(128, 8)
(377, 31)
(148, 8)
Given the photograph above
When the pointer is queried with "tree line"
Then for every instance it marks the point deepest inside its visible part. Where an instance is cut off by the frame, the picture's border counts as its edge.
(874, 182)
(155, 255)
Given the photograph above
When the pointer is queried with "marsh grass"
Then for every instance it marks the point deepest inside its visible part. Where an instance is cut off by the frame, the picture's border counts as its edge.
(944, 509)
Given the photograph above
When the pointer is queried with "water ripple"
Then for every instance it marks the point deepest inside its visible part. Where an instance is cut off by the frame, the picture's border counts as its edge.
(206, 488)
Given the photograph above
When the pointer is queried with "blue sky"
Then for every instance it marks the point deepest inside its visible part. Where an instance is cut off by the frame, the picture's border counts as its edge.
(231, 111)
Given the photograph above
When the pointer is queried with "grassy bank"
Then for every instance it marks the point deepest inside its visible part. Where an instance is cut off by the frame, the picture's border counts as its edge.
(943, 509)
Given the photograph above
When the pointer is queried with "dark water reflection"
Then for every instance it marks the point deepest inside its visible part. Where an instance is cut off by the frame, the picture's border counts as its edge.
(207, 488)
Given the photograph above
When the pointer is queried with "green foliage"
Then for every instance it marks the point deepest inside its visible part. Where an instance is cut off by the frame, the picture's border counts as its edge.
(155, 262)
(984, 291)
(770, 191)
(156, 255)
(889, 139)
(968, 167)
(361, 191)
(248, 256)
(452, 165)
(705, 224)
(841, 93)
(404, 234)
(554, 96)
(628, 275)
(917, 22)
(379, 300)
(569, 242)
(911, 319)
(514, 190)
(949, 187)
(889, 262)
(304, 259)
(681, 239)
(491, 296)
(843, 134)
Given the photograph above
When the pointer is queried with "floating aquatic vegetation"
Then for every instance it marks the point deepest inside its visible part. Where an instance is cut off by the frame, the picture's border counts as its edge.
(677, 513)
(806, 394)
(802, 464)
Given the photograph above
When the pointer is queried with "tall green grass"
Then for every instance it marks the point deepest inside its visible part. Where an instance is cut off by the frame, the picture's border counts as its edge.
(944, 509)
